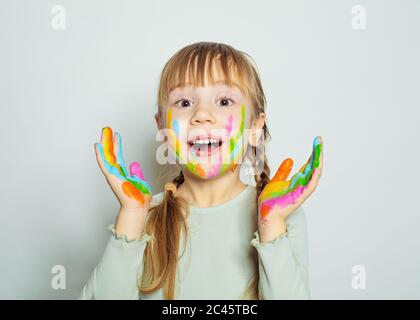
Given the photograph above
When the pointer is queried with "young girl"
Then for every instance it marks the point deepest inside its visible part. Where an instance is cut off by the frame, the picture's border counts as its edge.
(208, 235)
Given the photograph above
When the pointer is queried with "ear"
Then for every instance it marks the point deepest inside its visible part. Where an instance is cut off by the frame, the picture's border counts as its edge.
(257, 129)
(158, 120)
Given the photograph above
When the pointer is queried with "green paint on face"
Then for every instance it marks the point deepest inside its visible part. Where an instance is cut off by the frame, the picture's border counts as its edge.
(235, 148)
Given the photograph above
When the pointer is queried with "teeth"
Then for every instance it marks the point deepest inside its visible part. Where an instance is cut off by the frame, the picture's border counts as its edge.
(205, 141)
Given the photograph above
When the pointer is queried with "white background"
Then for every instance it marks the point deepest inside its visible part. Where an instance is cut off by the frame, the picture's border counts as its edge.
(358, 89)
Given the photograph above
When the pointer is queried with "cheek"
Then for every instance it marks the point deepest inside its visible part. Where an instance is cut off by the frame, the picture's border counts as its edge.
(174, 121)
(229, 124)
(235, 130)
(237, 122)
(171, 117)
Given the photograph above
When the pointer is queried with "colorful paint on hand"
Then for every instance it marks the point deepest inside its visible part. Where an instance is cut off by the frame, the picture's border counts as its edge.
(133, 184)
(236, 147)
(279, 192)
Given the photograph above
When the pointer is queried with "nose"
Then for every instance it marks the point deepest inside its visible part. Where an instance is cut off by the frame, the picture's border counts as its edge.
(202, 115)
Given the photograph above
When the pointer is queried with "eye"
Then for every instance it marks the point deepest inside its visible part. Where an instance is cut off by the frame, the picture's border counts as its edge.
(225, 102)
(183, 103)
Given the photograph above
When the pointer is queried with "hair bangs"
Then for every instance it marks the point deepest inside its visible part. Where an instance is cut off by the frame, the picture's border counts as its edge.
(204, 65)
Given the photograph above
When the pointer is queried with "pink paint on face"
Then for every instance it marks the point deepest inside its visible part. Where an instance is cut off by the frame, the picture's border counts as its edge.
(229, 125)
(234, 148)
(215, 169)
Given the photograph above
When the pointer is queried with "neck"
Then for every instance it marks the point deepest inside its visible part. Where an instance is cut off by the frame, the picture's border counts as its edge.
(204, 193)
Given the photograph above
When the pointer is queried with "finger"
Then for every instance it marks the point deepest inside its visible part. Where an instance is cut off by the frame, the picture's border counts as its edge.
(137, 178)
(109, 168)
(312, 184)
(108, 145)
(302, 168)
(284, 170)
(314, 180)
(303, 177)
(135, 170)
(321, 158)
(313, 161)
(316, 164)
(317, 148)
(119, 153)
(101, 159)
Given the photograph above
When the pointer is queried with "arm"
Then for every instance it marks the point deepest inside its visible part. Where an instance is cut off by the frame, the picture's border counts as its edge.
(115, 276)
(283, 262)
(281, 239)
(119, 270)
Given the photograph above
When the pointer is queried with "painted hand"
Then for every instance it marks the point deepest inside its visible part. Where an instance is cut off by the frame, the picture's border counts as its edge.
(281, 197)
(131, 189)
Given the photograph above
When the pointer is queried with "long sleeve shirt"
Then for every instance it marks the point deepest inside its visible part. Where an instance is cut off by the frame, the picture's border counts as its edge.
(221, 258)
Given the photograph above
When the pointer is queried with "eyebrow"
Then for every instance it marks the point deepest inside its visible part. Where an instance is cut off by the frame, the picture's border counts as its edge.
(222, 82)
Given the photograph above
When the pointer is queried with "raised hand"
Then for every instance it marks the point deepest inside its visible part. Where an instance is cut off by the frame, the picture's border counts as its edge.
(280, 196)
(130, 188)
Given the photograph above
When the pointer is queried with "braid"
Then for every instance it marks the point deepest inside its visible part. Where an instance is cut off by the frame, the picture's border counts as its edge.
(179, 179)
(264, 177)
(166, 223)
(261, 179)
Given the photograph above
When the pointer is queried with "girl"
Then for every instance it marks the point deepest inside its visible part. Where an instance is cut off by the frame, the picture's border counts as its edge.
(207, 235)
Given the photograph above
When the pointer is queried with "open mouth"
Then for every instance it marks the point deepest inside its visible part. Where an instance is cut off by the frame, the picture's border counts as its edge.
(205, 147)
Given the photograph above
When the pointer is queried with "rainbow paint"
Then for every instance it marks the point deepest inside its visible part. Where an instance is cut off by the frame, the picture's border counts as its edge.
(133, 184)
(236, 148)
(280, 192)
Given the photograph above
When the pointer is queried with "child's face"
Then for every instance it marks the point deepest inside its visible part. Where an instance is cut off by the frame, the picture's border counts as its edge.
(208, 127)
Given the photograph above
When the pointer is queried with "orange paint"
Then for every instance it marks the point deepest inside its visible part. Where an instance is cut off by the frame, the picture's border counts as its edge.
(135, 186)
(108, 145)
(265, 210)
(284, 170)
(131, 191)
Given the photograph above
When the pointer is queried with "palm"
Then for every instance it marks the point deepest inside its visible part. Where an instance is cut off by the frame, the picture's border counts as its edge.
(283, 196)
(130, 187)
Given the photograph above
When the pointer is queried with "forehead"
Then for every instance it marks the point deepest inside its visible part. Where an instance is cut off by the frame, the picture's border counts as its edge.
(212, 73)
(217, 85)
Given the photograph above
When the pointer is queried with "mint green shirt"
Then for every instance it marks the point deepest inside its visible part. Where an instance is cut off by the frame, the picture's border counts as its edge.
(223, 255)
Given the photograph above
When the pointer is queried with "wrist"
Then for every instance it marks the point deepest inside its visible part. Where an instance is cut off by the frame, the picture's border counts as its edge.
(130, 222)
(271, 228)
(132, 211)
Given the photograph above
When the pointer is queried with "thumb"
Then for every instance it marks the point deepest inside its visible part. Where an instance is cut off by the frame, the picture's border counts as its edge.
(284, 170)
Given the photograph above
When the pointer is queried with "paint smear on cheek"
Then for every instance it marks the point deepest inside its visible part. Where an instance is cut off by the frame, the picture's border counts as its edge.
(235, 148)
(236, 142)
(193, 166)
(229, 125)
(219, 167)
(173, 132)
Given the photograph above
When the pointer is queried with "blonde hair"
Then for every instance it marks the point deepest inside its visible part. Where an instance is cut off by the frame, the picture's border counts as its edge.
(166, 220)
